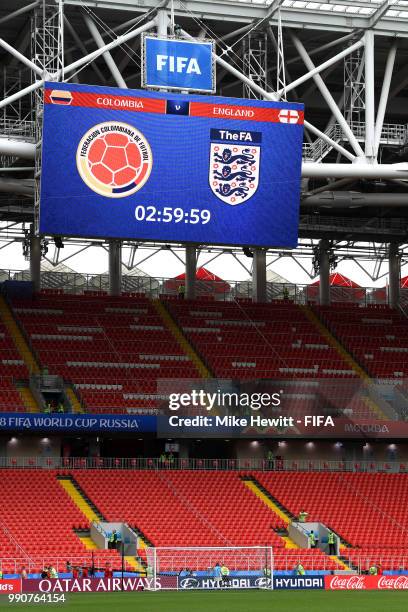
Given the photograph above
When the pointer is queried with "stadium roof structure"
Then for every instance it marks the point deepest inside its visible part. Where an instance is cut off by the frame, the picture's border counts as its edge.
(204, 278)
(388, 17)
(345, 59)
(338, 280)
(201, 274)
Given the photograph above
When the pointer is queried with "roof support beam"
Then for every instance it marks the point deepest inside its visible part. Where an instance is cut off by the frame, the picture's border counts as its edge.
(348, 199)
(318, 69)
(379, 13)
(20, 11)
(257, 23)
(17, 148)
(320, 49)
(328, 98)
(385, 90)
(82, 47)
(242, 77)
(120, 82)
(329, 141)
(369, 95)
(356, 170)
(21, 186)
(22, 58)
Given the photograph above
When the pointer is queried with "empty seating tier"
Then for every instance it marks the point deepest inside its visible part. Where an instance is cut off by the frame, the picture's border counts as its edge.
(12, 369)
(37, 522)
(366, 510)
(113, 349)
(377, 337)
(246, 341)
(190, 508)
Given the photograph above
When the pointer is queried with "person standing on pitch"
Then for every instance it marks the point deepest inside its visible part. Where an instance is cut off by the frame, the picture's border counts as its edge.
(108, 573)
(217, 575)
(225, 574)
(266, 572)
(332, 543)
(299, 569)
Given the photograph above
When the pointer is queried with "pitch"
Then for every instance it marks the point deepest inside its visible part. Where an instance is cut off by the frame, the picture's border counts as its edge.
(239, 601)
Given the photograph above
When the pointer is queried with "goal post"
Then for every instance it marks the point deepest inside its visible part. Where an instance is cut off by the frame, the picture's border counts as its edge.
(210, 568)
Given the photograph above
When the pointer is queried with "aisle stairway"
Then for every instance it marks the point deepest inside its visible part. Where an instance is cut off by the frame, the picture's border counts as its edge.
(284, 514)
(82, 502)
(18, 338)
(28, 399)
(87, 541)
(181, 339)
(73, 400)
(88, 508)
(256, 488)
(362, 374)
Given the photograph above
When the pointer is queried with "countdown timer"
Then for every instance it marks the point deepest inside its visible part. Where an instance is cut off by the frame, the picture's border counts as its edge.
(169, 215)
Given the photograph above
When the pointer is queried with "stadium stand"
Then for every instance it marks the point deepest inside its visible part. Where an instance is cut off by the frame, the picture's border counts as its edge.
(245, 341)
(369, 511)
(38, 521)
(112, 349)
(187, 508)
(12, 368)
(254, 352)
(115, 350)
(376, 336)
(205, 508)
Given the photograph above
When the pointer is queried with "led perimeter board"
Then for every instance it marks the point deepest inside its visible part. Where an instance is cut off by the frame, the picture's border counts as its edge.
(174, 168)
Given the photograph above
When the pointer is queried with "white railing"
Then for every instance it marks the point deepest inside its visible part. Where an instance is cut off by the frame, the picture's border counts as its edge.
(284, 562)
(392, 134)
(251, 464)
(35, 564)
(17, 128)
(75, 283)
(318, 149)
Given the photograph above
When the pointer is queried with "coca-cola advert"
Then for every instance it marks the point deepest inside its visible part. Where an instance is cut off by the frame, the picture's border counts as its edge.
(347, 583)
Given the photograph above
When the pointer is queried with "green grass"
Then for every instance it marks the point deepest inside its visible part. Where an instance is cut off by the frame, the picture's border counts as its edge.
(235, 601)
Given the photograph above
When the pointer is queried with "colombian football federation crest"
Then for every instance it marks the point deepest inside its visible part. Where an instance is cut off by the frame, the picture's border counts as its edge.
(114, 159)
(234, 166)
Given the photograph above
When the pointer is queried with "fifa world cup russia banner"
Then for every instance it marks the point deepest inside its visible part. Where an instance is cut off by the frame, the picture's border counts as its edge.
(27, 421)
(143, 165)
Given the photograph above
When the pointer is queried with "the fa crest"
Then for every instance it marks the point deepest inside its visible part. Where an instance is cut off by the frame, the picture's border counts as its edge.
(234, 165)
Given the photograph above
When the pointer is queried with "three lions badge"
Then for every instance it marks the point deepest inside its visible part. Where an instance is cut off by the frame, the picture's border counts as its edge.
(235, 157)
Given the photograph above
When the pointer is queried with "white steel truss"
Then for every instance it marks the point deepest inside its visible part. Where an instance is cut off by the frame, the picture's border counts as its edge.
(47, 44)
(255, 61)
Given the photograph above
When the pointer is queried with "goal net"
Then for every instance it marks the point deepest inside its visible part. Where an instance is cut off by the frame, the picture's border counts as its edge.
(242, 567)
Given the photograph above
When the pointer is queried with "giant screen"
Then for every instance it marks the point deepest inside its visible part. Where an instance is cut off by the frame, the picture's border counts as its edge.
(120, 163)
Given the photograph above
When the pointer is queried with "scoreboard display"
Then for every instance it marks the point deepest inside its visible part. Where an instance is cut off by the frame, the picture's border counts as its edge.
(119, 163)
